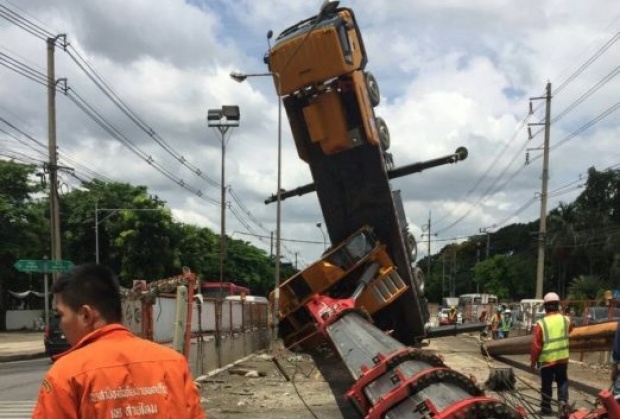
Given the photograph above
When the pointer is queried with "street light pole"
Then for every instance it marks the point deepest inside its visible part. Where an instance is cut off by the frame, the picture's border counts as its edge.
(240, 77)
(278, 212)
(223, 119)
(96, 234)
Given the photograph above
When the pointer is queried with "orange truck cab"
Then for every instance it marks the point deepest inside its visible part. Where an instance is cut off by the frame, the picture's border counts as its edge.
(318, 67)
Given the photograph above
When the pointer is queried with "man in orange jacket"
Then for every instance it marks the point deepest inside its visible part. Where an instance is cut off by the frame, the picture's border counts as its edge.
(110, 373)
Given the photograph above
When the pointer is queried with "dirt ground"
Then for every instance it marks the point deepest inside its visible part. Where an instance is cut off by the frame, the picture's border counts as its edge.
(319, 382)
(308, 394)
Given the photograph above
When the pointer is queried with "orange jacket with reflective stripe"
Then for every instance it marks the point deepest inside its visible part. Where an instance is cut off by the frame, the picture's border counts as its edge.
(111, 374)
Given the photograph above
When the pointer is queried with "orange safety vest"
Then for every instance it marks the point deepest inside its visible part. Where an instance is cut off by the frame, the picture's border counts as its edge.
(111, 374)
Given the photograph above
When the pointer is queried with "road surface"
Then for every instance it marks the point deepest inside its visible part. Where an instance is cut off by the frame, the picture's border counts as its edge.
(19, 385)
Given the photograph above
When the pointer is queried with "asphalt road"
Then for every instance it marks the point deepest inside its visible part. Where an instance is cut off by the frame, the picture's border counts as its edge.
(20, 380)
(19, 385)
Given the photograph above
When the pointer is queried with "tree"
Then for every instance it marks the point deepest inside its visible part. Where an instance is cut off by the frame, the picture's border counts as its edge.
(585, 288)
(507, 276)
(196, 248)
(23, 229)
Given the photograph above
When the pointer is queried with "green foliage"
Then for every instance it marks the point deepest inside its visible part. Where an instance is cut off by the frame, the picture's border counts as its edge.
(582, 242)
(504, 276)
(23, 228)
(585, 288)
(144, 242)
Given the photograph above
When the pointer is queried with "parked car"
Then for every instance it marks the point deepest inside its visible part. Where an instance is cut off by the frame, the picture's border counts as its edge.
(597, 315)
(54, 339)
(442, 317)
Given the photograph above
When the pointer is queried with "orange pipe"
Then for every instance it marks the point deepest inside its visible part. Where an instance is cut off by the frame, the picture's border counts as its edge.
(594, 338)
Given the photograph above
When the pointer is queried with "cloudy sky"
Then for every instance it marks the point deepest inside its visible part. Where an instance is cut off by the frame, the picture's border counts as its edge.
(451, 73)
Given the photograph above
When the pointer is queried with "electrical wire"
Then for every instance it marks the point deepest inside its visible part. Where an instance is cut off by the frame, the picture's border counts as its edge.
(22, 69)
(587, 94)
(62, 155)
(92, 74)
(24, 23)
(284, 240)
(571, 107)
(90, 111)
(587, 63)
(245, 210)
(493, 164)
(113, 131)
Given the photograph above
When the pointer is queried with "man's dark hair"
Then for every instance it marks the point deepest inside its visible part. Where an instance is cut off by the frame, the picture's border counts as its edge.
(552, 306)
(93, 285)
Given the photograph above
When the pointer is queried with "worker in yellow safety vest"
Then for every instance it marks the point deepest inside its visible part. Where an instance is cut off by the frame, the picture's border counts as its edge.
(549, 352)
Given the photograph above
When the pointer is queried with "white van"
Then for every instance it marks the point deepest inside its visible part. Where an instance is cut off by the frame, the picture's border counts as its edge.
(531, 310)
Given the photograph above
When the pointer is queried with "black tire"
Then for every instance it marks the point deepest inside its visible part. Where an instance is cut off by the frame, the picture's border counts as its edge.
(418, 275)
(413, 247)
(384, 133)
(373, 89)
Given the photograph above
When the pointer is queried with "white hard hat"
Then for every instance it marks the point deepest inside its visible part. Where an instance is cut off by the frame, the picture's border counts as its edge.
(507, 311)
(551, 297)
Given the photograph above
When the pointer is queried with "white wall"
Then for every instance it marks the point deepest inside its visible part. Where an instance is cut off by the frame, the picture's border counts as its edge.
(23, 319)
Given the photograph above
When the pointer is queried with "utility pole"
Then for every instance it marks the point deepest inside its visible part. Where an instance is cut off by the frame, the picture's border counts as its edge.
(542, 230)
(485, 230)
(443, 275)
(453, 277)
(52, 166)
(477, 261)
(428, 235)
(271, 247)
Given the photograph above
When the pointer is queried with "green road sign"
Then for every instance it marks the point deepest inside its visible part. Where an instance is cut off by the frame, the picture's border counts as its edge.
(43, 266)
(59, 265)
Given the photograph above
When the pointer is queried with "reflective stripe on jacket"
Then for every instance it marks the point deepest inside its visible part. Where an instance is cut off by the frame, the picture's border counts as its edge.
(555, 330)
(111, 373)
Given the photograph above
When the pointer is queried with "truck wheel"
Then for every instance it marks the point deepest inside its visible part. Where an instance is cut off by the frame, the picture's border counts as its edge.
(413, 247)
(373, 89)
(418, 275)
(384, 133)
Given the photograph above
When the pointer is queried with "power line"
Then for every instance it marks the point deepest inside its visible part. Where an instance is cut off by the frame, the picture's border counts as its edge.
(61, 153)
(100, 120)
(104, 87)
(521, 125)
(24, 23)
(572, 106)
(286, 240)
(587, 94)
(22, 69)
(588, 62)
(125, 109)
(584, 127)
(113, 131)
(246, 211)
